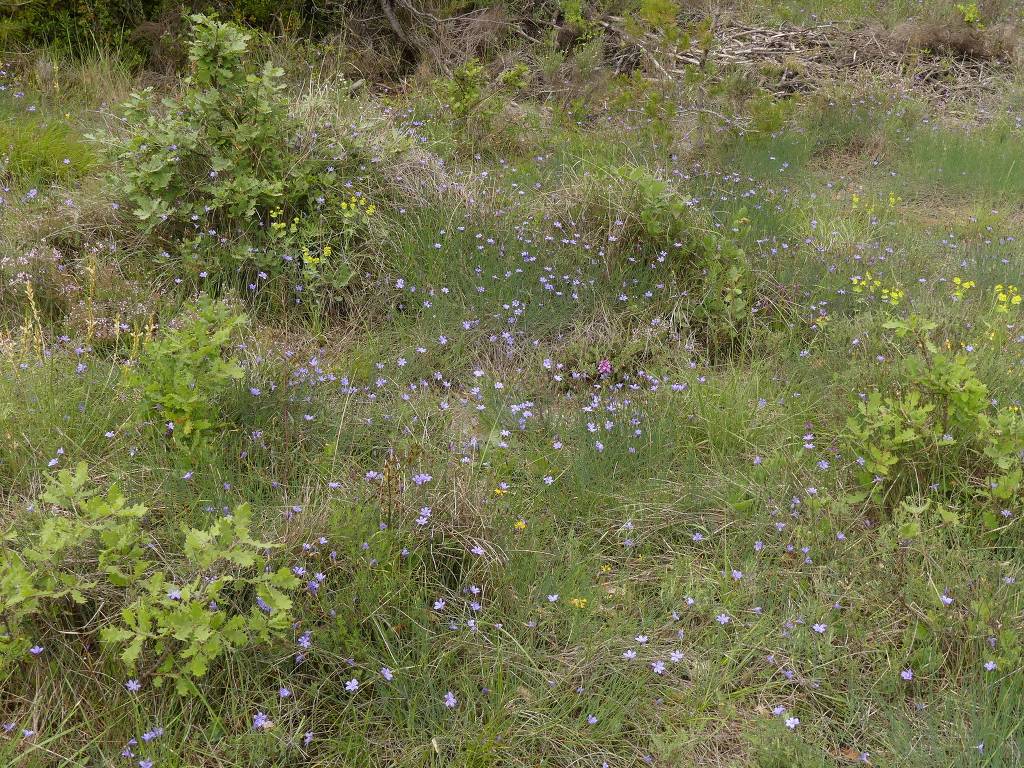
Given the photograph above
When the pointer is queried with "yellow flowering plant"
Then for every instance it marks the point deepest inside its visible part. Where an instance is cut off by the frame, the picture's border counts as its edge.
(1007, 298)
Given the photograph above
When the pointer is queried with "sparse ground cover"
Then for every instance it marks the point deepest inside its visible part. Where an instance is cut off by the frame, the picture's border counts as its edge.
(523, 413)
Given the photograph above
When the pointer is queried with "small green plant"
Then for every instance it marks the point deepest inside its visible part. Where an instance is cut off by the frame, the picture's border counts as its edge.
(714, 260)
(324, 276)
(478, 102)
(90, 549)
(88, 539)
(182, 373)
(574, 14)
(664, 214)
(467, 88)
(659, 13)
(727, 282)
(662, 17)
(187, 623)
(970, 14)
(768, 114)
(629, 206)
(939, 436)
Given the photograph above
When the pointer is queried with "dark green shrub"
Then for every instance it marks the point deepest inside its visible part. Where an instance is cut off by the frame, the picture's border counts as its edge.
(231, 186)
(78, 25)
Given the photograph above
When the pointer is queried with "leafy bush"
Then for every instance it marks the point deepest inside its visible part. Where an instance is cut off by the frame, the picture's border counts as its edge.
(216, 156)
(726, 285)
(939, 436)
(630, 208)
(38, 572)
(182, 373)
(220, 169)
(662, 212)
(189, 622)
(90, 543)
(482, 107)
(969, 13)
(716, 262)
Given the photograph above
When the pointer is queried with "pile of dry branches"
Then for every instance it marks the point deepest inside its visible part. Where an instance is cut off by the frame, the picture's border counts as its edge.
(932, 59)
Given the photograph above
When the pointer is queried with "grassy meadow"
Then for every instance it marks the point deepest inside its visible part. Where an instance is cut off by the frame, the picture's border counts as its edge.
(544, 404)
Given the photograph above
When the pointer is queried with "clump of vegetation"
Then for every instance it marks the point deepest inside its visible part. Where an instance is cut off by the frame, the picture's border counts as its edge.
(233, 187)
(76, 27)
(483, 108)
(940, 438)
(183, 373)
(631, 212)
(35, 153)
(969, 13)
(628, 207)
(90, 552)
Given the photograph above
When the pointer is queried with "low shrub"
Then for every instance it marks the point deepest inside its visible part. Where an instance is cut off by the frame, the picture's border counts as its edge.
(485, 115)
(938, 437)
(90, 549)
(232, 187)
(182, 373)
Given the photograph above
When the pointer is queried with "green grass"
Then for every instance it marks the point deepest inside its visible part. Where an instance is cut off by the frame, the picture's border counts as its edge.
(695, 510)
(981, 163)
(39, 152)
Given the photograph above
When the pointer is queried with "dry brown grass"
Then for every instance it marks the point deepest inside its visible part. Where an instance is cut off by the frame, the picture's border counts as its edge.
(954, 38)
(446, 44)
(404, 169)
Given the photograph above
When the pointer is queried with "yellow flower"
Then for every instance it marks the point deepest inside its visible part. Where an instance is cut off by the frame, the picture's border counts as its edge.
(520, 525)
(962, 286)
(1006, 296)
